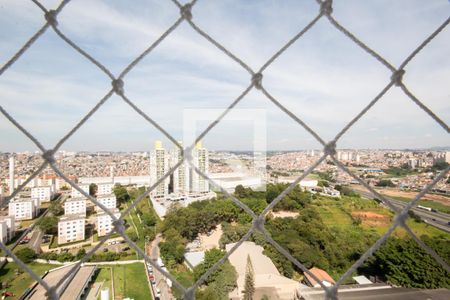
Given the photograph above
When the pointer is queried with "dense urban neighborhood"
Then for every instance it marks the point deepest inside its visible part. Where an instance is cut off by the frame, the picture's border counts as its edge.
(186, 224)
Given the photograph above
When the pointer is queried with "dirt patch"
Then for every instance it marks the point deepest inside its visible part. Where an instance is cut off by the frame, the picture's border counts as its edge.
(211, 240)
(285, 214)
(371, 218)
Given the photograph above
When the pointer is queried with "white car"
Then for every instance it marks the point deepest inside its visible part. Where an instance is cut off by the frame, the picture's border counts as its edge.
(158, 292)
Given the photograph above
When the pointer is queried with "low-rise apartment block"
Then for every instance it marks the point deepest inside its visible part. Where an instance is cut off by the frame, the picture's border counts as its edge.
(3, 232)
(9, 221)
(76, 194)
(109, 201)
(24, 208)
(43, 193)
(7, 228)
(105, 222)
(75, 206)
(71, 229)
(105, 188)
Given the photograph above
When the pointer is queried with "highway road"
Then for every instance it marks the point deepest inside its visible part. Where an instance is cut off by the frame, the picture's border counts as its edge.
(437, 219)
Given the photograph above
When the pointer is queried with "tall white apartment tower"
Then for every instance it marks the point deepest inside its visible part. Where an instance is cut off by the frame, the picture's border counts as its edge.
(181, 174)
(198, 184)
(11, 174)
(159, 166)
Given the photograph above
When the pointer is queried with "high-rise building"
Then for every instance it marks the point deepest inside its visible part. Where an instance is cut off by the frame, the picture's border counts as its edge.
(159, 166)
(198, 184)
(180, 177)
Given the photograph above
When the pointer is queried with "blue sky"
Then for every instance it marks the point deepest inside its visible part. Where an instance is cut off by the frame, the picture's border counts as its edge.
(324, 78)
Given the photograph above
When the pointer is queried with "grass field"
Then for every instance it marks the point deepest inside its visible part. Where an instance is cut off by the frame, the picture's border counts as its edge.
(339, 211)
(104, 277)
(19, 282)
(129, 280)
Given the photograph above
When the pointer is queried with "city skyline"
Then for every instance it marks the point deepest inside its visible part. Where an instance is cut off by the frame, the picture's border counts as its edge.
(325, 88)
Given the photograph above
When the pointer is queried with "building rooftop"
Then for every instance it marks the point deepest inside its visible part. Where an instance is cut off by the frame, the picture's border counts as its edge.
(377, 291)
(322, 275)
(113, 210)
(193, 259)
(267, 278)
(76, 199)
(71, 289)
(106, 195)
(72, 217)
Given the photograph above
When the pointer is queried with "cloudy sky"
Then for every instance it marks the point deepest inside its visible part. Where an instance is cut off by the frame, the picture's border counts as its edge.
(324, 78)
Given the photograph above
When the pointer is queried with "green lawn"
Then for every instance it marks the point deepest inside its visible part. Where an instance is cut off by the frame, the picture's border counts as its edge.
(104, 276)
(337, 211)
(20, 282)
(421, 228)
(334, 216)
(131, 281)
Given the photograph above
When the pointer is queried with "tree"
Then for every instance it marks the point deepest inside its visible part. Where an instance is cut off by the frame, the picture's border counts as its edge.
(249, 284)
(26, 255)
(56, 208)
(148, 219)
(132, 234)
(65, 256)
(80, 254)
(48, 225)
(404, 263)
(121, 193)
(93, 188)
(385, 183)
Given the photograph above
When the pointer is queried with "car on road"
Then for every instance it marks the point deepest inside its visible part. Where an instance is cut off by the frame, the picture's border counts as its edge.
(158, 292)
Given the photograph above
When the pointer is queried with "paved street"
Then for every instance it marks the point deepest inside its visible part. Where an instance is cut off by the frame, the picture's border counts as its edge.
(153, 251)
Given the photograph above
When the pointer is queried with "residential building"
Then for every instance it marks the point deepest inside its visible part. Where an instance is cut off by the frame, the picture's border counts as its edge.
(76, 194)
(43, 193)
(198, 184)
(3, 232)
(9, 226)
(105, 188)
(159, 166)
(24, 208)
(75, 206)
(105, 222)
(109, 201)
(71, 229)
(180, 177)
